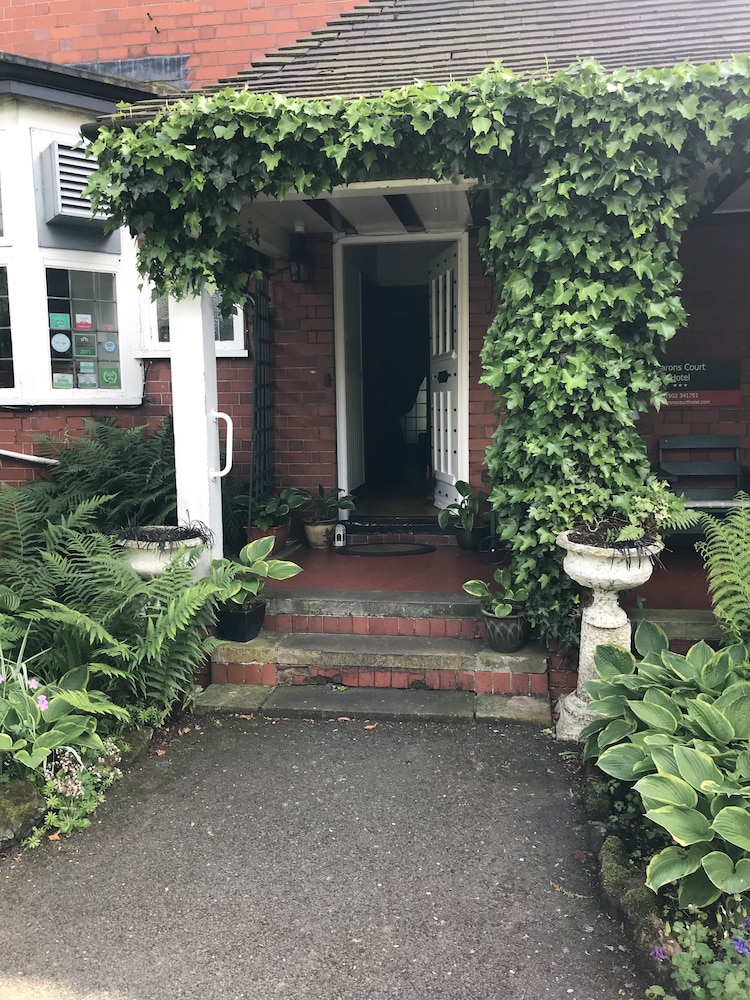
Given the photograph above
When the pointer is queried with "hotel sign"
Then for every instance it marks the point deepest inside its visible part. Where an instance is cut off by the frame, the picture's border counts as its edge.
(703, 383)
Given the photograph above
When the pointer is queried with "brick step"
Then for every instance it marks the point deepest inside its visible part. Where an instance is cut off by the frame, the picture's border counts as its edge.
(384, 661)
(373, 612)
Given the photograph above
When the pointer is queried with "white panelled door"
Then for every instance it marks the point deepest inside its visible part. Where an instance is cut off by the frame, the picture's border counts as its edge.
(444, 393)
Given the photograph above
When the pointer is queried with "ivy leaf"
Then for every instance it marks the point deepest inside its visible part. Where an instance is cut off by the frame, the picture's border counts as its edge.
(481, 124)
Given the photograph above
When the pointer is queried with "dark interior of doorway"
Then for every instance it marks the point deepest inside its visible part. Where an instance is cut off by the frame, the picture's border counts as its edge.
(395, 364)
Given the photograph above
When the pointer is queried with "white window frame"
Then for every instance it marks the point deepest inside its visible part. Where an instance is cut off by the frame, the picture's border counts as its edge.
(27, 262)
(152, 347)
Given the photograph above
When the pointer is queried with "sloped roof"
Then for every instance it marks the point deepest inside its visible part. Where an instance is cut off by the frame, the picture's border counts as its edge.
(21, 76)
(386, 44)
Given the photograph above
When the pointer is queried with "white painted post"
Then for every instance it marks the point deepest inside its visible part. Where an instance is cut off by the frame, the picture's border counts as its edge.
(194, 400)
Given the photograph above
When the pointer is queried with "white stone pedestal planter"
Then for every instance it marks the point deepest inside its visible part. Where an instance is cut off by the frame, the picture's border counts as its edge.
(148, 559)
(605, 571)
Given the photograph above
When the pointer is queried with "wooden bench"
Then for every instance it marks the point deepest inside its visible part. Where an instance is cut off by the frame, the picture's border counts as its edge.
(704, 467)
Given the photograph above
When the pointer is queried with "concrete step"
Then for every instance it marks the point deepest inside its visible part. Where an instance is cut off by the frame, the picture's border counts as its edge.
(382, 661)
(373, 612)
(688, 625)
(377, 603)
(353, 704)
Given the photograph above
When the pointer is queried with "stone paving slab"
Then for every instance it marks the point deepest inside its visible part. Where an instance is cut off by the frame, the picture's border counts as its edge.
(325, 701)
(519, 708)
(231, 698)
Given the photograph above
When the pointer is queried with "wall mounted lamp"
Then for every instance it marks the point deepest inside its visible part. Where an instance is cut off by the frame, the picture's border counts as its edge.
(300, 267)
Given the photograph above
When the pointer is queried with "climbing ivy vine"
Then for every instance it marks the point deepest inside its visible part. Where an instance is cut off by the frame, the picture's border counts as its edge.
(593, 178)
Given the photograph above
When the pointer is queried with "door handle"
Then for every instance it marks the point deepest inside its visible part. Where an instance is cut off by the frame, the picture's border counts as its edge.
(443, 376)
(216, 416)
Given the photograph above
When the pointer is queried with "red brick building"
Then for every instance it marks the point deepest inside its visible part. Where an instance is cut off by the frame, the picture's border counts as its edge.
(188, 43)
(368, 48)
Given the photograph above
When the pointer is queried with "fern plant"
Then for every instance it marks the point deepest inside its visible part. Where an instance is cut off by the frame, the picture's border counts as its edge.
(134, 466)
(67, 585)
(726, 556)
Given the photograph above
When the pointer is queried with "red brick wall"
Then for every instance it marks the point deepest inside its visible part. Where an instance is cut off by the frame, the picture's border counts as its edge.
(303, 373)
(20, 430)
(220, 37)
(716, 294)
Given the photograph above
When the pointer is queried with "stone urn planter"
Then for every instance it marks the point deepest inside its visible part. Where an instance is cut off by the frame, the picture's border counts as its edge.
(605, 571)
(154, 546)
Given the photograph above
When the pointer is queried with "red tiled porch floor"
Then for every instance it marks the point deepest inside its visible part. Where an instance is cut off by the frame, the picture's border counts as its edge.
(678, 581)
(441, 572)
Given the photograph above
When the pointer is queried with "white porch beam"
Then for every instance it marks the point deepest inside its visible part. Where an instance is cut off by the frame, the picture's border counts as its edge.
(194, 400)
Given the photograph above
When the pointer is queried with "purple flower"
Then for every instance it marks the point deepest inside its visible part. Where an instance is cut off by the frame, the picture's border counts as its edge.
(659, 954)
(747, 923)
(42, 702)
(33, 684)
(741, 946)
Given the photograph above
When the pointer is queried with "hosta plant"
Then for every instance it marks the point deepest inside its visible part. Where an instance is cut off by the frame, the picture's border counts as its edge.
(678, 728)
(38, 719)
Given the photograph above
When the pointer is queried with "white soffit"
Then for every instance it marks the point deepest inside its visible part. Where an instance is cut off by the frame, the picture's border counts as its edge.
(439, 207)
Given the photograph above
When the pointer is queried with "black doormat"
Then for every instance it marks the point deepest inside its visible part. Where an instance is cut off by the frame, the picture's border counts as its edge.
(385, 549)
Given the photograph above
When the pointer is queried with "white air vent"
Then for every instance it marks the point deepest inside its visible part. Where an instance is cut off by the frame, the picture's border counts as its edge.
(66, 170)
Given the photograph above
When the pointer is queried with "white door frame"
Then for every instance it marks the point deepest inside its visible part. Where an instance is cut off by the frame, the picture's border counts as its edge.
(462, 242)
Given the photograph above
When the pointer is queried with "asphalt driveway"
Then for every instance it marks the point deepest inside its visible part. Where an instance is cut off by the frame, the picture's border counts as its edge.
(336, 860)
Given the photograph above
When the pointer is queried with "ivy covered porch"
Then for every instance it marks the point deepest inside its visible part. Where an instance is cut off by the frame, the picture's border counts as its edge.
(574, 293)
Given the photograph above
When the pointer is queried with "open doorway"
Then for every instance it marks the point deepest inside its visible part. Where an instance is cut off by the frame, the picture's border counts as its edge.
(395, 370)
(399, 404)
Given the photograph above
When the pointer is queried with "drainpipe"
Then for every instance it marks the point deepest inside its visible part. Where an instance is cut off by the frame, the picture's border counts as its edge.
(33, 459)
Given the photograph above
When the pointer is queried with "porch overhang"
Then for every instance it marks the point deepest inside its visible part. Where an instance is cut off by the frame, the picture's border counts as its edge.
(378, 208)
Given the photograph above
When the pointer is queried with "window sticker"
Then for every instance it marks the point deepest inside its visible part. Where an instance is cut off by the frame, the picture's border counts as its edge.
(59, 321)
(109, 377)
(60, 343)
(84, 346)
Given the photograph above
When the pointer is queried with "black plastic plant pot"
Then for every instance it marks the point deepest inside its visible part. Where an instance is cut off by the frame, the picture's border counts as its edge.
(471, 540)
(238, 625)
(506, 635)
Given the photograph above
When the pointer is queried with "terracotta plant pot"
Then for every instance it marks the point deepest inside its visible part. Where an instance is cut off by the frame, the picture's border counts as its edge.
(506, 635)
(320, 536)
(280, 533)
(240, 625)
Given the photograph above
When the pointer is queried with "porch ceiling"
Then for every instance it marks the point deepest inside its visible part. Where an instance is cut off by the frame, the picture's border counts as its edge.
(387, 208)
